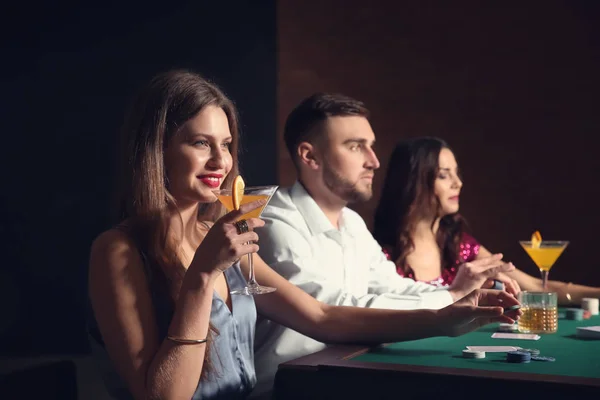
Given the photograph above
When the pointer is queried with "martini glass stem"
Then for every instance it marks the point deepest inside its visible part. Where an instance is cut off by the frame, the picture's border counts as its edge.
(544, 279)
(252, 279)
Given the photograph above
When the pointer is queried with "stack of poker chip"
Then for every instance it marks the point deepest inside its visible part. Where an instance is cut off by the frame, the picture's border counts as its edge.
(574, 314)
(473, 354)
(518, 357)
(590, 304)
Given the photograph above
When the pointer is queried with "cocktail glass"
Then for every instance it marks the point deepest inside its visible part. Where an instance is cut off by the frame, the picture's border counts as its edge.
(251, 193)
(544, 255)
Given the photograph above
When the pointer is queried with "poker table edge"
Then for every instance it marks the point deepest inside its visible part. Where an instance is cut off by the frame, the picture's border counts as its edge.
(339, 357)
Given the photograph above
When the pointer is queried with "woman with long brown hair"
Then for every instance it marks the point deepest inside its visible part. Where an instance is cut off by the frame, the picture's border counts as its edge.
(417, 221)
(165, 325)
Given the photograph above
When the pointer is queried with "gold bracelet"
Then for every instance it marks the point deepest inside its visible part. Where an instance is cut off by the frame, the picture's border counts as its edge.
(186, 341)
(567, 294)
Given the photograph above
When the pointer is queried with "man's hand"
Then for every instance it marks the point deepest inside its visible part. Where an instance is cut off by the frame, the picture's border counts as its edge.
(473, 275)
(478, 308)
(510, 285)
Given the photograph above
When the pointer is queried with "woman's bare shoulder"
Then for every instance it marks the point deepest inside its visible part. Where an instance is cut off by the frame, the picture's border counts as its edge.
(114, 248)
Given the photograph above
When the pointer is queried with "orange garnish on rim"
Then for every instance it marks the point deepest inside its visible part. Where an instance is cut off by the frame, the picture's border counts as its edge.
(237, 192)
(536, 239)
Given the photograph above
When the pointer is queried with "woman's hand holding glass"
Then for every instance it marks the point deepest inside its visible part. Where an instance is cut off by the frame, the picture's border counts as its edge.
(224, 244)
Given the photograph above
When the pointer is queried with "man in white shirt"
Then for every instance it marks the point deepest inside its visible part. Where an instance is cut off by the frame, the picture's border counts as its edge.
(317, 243)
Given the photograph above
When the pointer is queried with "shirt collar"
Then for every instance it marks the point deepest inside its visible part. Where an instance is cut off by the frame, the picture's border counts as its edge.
(315, 218)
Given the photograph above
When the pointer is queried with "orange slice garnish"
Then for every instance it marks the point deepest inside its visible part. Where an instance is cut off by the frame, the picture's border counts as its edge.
(536, 239)
(237, 192)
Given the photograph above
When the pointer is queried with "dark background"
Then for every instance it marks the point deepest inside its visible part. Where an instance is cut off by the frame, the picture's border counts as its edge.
(68, 71)
(512, 86)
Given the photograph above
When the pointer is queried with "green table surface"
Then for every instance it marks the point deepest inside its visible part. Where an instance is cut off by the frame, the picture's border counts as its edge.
(574, 356)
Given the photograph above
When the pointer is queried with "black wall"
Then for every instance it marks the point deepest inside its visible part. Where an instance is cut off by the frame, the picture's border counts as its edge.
(511, 86)
(68, 72)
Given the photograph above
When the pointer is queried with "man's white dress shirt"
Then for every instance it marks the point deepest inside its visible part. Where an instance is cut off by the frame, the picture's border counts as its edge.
(338, 267)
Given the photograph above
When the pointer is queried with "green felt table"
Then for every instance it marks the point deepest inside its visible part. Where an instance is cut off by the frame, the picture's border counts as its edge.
(435, 367)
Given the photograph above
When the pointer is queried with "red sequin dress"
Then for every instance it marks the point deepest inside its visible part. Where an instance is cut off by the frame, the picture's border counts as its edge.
(469, 248)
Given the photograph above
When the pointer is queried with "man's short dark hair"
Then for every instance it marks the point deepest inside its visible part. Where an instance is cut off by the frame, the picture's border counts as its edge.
(314, 110)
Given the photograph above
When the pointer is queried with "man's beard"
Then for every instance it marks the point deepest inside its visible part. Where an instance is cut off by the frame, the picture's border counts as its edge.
(343, 188)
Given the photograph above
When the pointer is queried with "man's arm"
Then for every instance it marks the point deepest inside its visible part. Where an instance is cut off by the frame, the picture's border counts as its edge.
(287, 250)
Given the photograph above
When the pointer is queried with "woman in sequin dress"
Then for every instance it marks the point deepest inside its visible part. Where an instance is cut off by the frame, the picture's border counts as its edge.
(419, 228)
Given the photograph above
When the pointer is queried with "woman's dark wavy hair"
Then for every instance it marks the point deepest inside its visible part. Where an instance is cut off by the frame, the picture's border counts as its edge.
(157, 113)
(407, 196)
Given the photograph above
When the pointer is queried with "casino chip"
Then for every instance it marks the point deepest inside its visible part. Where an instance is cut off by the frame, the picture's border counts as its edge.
(508, 327)
(540, 358)
(518, 357)
(511, 308)
(473, 354)
(574, 314)
(533, 352)
(591, 305)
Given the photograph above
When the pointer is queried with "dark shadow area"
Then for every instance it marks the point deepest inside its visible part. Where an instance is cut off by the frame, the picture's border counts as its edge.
(575, 337)
(51, 381)
(68, 71)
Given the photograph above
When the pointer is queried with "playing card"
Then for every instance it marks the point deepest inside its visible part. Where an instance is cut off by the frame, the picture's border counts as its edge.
(523, 336)
(494, 349)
